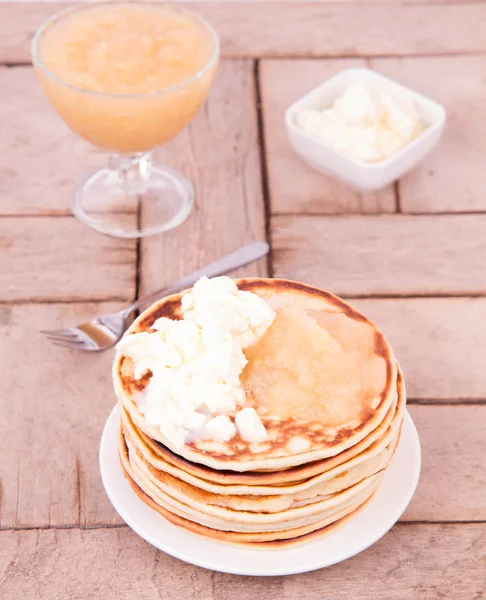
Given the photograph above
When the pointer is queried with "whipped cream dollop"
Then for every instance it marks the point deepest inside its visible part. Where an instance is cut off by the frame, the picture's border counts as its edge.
(368, 122)
(196, 364)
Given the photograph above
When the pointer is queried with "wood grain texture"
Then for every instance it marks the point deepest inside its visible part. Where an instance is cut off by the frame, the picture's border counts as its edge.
(301, 29)
(219, 153)
(383, 255)
(452, 484)
(438, 341)
(59, 258)
(412, 562)
(41, 161)
(293, 185)
(53, 405)
(452, 178)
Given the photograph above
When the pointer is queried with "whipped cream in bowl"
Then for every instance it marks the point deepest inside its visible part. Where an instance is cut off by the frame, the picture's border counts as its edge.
(367, 122)
(194, 391)
(363, 128)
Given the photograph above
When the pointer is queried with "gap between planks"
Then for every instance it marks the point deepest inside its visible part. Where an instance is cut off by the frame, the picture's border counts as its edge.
(350, 298)
(399, 214)
(450, 213)
(367, 57)
(80, 300)
(67, 214)
(315, 56)
(125, 526)
(76, 527)
(263, 164)
(398, 210)
(79, 496)
(396, 192)
(138, 253)
(447, 401)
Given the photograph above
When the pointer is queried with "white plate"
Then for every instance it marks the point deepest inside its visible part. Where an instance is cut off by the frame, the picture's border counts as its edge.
(369, 525)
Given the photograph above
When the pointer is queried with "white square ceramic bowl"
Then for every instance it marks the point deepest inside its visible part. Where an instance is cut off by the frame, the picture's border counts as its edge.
(362, 176)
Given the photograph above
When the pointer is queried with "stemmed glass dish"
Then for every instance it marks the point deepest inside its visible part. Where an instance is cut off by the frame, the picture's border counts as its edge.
(128, 77)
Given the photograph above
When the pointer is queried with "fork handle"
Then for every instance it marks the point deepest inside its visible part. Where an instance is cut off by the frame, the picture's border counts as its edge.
(244, 255)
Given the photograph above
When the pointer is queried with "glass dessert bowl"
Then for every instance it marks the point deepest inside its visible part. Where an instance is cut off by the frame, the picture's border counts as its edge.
(128, 77)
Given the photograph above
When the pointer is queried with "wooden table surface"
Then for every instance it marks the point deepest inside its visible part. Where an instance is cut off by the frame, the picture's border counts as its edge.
(412, 257)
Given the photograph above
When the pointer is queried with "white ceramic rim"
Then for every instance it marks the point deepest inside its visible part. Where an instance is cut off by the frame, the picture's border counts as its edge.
(419, 99)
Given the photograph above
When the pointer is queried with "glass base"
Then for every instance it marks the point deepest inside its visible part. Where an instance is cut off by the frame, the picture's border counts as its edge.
(134, 199)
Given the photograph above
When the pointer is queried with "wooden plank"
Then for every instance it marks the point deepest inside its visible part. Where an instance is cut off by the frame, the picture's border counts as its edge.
(438, 341)
(452, 484)
(59, 258)
(383, 255)
(41, 161)
(329, 29)
(294, 187)
(451, 179)
(420, 562)
(410, 562)
(53, 405)
(219, 153)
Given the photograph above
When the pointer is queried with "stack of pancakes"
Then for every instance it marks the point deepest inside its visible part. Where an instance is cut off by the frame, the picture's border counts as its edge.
(330, 394)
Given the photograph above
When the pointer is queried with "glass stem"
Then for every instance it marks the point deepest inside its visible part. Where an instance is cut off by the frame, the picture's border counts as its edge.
(131, 171)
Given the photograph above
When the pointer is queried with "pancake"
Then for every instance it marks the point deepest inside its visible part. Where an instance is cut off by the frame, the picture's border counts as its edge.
(340, 477)
(285, 540)
(230, 531)
(290, 481)
(239, 520)
(252, 502)
(323, 378)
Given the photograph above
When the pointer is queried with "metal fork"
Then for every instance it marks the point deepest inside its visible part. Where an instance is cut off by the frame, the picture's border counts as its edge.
(104, 331)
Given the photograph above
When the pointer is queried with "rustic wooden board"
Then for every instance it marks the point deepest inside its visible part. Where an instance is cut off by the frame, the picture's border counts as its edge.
(59, 258)
(219, 153)
(295, 187)
(452, 178)
(41, 161)
(438, 341)
(411, 562)
(53, 406)
(54, 403)
(301, 29)
(383, 255)
(452, 484)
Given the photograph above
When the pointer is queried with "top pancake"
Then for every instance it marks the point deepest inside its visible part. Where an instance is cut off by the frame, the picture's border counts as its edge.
(322, 378)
